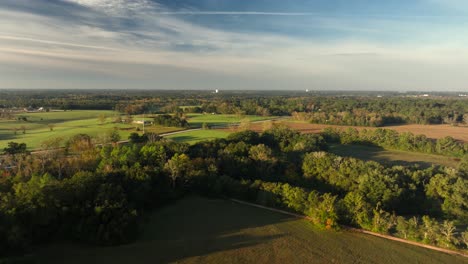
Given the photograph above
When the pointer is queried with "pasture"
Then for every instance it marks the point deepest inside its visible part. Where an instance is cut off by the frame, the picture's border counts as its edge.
(196, 120)
(198, 230)
(192, 137)
(392, 157)
(65, 125)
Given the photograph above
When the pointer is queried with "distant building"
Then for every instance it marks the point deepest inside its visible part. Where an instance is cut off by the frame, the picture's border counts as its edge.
(216, 91)
(141, 122)
(33, 110)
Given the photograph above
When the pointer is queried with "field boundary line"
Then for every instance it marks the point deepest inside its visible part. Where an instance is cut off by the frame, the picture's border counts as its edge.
(357, 230)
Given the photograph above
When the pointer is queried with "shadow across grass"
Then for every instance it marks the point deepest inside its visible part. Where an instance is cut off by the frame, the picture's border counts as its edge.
(391, 157)
(188, 228)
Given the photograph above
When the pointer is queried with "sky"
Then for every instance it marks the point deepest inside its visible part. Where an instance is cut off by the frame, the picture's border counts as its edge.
(394, 45)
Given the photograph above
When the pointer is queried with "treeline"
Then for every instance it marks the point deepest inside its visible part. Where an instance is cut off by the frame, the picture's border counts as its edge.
(377, 112)
(391, 139)
(329, 211)
(171, 121)
(354, 117)
(99, 194)
(367, 194)
(356, 110)
(96, 195)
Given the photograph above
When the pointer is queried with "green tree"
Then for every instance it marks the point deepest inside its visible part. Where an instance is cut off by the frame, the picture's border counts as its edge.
(15, 148)
(430, 229)
(51, 126)
(464, 238)
(114, 136)
(447, 234)
(177, 167)
(102, 118)
(205, 126)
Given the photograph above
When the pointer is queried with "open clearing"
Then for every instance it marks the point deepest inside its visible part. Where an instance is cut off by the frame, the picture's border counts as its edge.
(392, 157)
(195, 136)
(198, 230)
(66, 124)
(431, 131)
(196, 120)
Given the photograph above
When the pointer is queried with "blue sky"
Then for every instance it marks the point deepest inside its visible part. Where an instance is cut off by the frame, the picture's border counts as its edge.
(235, 44)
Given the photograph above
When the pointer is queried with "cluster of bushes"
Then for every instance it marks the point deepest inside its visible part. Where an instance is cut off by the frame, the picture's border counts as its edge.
(170, 121)
(391, 139)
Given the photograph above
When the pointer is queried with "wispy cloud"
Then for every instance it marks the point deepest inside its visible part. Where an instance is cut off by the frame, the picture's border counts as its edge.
(144, 42)
(42, 41)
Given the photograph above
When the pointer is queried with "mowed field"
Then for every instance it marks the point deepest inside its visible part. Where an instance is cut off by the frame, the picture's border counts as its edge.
(431, 131)
(69, 123)
(192, 137)
(66, 124)
(196, 120)
(198, 230)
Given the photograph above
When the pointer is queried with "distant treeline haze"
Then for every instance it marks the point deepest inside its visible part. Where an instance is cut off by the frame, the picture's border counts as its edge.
(333, 109)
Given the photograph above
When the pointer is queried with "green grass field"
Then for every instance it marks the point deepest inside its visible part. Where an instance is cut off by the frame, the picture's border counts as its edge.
(198, 230)
(192, 137)
(196, 120)
(66, 125)
(392, 157)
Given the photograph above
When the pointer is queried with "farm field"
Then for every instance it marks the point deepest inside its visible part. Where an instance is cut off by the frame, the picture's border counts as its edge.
(431, 131)
(198, 230)
(192, 137)
(392, 157)
(66, 124)
(196, 120)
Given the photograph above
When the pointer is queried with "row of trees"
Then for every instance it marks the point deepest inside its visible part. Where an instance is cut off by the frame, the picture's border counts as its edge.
(385, 111)
(391, 139)
(85, 193)
(354, 117)
(171, 121)
(358, 109)
(328, 211)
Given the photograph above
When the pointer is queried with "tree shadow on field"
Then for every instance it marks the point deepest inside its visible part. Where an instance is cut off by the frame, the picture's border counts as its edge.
(183, 138)
(376, 153)
(9, 135)
(191, 227)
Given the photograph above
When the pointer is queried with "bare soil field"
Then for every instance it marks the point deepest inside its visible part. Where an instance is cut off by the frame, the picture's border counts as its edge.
(431, 131)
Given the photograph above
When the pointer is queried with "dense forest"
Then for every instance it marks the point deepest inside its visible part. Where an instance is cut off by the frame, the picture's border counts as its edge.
(391, 139)
(101, 194)
(356, 109)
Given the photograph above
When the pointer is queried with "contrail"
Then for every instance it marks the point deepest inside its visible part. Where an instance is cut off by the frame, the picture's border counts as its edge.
(6, 37)
(247, 13)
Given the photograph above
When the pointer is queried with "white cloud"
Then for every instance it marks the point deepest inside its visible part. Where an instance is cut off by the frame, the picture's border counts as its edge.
(118, 7)
(42, 41)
